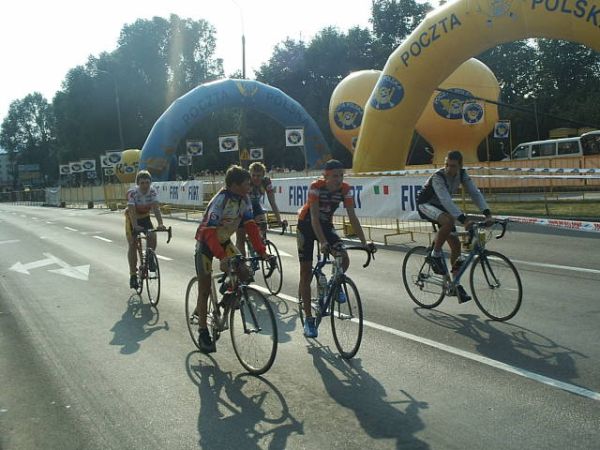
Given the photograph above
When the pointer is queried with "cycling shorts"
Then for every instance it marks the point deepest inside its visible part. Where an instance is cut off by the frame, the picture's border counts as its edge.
(306, 237)
(143, 222)
(432, 213)
(203, 256)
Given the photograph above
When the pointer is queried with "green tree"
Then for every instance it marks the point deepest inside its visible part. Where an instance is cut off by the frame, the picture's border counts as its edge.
(27, 134)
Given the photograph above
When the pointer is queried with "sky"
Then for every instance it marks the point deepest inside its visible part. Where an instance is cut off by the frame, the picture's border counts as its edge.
(41, 40)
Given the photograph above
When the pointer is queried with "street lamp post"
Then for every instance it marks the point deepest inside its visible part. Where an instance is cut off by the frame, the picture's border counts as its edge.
(243, 39)
(121, 140)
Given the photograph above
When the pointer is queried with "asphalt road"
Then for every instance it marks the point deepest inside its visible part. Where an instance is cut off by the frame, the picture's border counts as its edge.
(84, 364)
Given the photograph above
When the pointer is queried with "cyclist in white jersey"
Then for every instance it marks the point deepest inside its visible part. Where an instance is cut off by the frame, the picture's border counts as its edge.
(140, 201)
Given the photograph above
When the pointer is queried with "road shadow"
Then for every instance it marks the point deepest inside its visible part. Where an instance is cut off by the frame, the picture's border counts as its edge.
(511, 344)
(381, 415)
(241, 412)
(286, 315)
(138, 322)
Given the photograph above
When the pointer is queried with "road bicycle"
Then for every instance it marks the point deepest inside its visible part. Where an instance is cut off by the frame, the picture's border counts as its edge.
(243, 310)
(272, 274)
(346, 311)
(494, 281)
(148, 270)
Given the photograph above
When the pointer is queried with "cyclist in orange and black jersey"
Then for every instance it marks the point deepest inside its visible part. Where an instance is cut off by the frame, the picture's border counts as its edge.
(315, 222)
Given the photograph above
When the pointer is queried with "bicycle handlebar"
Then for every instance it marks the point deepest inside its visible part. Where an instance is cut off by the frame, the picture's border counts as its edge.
(483, 224)
(147, 231)
(370, 251)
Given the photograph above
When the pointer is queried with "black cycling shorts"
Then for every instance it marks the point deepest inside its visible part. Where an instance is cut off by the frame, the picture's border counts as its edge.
(306, 237)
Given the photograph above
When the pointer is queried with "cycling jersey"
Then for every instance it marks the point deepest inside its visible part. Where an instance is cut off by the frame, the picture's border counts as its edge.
(256, 192)
(440, 187)
(143, 202)
(222, 217)
(328, 201)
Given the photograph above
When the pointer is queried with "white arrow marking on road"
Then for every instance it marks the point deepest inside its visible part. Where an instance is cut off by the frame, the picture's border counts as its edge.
(70, 229)
(50, 223)
(102, 238)
(10, 241)
(78, 272)
(24, 268)
(166, 258)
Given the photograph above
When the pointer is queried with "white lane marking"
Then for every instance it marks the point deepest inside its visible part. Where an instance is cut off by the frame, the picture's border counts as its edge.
(25, 217)
(282, 253)
(50, 223)
(468, 355)
(165, 258)
(12, 241)
(556, 266)
(102, 238)
(70, 229)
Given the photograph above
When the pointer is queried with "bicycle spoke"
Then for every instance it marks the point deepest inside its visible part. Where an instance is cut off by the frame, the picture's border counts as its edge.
(425, 288)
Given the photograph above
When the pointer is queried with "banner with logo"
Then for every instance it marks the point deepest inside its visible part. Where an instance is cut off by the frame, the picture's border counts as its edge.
(64, 169)
(373, 196)
(108, 171)
(184, 160)
(294, 137)
(229, 143)
(76, 167)
(180, 192)
(113, 158)
(194, 148)
(502, 129)
(473, 112)
(104, 162)
(256, 154)
(88, 165)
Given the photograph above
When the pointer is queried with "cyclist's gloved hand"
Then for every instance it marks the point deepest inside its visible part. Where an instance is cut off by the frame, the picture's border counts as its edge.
(371, 248)
(325, 248)
(161, 227)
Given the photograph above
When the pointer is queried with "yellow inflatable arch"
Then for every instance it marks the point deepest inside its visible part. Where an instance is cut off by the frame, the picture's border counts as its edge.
(447, 37)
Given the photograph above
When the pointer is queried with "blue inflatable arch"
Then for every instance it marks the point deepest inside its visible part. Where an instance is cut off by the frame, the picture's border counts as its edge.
(192, 107)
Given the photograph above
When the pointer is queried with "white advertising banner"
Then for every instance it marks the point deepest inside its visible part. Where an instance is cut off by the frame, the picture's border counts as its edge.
(373, 196)
(180, 192)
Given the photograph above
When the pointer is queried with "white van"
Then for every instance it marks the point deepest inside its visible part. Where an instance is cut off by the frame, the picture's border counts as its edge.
(558, 148)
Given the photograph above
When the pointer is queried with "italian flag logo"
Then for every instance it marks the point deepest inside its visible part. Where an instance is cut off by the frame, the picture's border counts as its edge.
(384, 189)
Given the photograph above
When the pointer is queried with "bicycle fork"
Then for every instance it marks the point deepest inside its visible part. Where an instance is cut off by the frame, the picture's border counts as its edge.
(244, 302)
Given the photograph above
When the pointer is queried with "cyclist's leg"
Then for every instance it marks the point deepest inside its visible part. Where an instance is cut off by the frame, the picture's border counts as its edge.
(446, 226)
(131, 250)
(305, 239)
(147, 223)
(454, 244)
(334, 240)
(240, 240)
(203, 259)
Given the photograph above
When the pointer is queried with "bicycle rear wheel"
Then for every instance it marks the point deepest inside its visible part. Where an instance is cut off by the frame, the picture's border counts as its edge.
(425, 288)
(253, 331)
(346, 318)
(274, 280)
(153, 277)
(496, 286)
(191, 319)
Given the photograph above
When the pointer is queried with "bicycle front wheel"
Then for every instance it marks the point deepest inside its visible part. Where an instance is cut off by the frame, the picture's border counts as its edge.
(346, 318)
(192, 319)
(253, 331)
(424, 286)
(496, 286)
(153, 277)
(273, 278)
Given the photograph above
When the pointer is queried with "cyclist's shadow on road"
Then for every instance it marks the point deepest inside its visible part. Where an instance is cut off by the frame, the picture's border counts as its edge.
(286, 316)
(241, 412)
(511, 344)
(353, 388)
(138, 322)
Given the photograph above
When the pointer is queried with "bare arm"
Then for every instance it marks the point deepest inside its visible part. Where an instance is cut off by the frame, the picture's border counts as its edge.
(273, 204)
(132, 215)
(157, 214)
(316, 224)
(356, 224)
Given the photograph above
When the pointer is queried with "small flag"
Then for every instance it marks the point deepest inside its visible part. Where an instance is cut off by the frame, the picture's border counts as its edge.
(64, 169)
(502, 129)
(378, 190)
(472, 113)
(256, 154)
(76, 167)
(229, 143)
(294, 137)
(113, 158)
(185, 160)
(194, 148)
(88, 165)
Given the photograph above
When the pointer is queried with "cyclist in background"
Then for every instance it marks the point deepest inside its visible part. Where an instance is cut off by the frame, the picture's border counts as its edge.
(435, 204)
(141, 199)
(315, 222)
(229, 208)
(260, 185)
